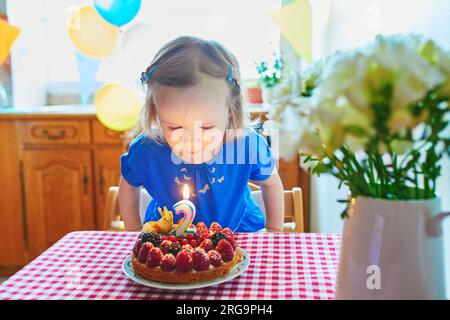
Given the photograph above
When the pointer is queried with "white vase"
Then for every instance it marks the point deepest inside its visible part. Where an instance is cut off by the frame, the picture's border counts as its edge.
(392, 250)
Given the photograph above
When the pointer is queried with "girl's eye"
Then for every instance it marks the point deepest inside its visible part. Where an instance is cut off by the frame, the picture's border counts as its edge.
(207, 128)
(174, 128)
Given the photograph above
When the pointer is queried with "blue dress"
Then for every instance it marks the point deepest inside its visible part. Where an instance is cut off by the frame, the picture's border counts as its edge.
(218, 188)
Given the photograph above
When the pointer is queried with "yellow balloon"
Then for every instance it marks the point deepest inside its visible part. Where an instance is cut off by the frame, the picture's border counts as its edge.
(117, 106)
(91, 34)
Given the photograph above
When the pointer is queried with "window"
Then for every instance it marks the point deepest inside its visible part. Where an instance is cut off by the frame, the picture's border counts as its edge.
(245, 27)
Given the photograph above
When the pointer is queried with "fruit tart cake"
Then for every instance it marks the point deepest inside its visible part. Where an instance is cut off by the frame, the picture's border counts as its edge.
(201, 255)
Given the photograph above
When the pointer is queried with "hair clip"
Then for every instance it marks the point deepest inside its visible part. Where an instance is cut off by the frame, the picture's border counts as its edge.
(231, 79)
(230, 74)
(145, 76)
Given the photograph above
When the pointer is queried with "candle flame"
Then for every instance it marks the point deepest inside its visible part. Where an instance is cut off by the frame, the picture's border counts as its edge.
(185, 192)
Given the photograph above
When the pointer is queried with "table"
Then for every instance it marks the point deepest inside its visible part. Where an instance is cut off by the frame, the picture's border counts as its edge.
(88, 265)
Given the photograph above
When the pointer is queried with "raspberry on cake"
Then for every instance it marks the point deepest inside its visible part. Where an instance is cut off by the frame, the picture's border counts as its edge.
(215, 258)
(143, 252)
(207, 245)
(154, 257)
(207, 254)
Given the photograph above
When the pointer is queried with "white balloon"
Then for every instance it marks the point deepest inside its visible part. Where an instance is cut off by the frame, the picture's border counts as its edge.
(139, 45)
(135, 50)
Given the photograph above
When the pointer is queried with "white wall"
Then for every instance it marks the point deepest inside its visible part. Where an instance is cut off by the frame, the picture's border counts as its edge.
(28, 55)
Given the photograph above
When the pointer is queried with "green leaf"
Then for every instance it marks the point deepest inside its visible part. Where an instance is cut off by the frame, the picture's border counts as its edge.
(355, 130)
(344, 214)
(321, 168)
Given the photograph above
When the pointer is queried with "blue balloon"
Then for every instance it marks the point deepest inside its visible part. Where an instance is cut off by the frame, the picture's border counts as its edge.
(118, 12)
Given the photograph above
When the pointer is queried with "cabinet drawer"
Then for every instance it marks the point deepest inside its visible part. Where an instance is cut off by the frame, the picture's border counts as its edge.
(102, 134)
(55, 132)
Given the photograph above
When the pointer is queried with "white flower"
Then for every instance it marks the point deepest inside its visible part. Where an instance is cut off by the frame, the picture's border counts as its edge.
(326, 118)
(413, 75)
(311, 75)
(347, 86)
(344, 75)
(352, 116)
(311, 143)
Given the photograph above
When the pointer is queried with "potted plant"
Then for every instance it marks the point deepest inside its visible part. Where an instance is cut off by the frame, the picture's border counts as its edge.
(375, 118)
(253, 92)
(269, 76)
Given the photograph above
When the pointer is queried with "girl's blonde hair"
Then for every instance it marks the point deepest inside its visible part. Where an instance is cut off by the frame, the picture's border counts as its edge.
(180, 63)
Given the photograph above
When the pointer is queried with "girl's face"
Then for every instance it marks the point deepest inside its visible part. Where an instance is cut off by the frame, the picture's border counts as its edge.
(194, 119)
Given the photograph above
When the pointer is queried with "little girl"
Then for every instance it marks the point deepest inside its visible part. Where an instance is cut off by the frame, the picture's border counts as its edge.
(196, 132)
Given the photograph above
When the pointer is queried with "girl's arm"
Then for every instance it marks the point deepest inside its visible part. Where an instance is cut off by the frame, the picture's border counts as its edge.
(273, 195)
(129, 198)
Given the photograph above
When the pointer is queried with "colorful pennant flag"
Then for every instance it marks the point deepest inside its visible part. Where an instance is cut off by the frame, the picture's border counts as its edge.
(8, 34)
(294, 20)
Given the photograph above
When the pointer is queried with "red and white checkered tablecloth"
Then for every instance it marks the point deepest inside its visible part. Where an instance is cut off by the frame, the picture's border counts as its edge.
(88, 265)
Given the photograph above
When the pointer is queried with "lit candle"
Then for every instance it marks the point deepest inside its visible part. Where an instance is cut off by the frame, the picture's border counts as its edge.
(186, 208)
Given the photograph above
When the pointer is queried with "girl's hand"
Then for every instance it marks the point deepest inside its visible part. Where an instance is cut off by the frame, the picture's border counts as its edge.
(273, 195)
(129, 198)
(266, 229)
(273, 229)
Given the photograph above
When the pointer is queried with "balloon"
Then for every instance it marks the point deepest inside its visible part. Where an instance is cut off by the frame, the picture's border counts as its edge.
(117, 106)
(139, 45)
(118, 12)
(133, 53)
(91, 35)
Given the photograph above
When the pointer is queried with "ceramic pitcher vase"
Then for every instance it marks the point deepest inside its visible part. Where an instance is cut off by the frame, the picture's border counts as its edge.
(392, 250)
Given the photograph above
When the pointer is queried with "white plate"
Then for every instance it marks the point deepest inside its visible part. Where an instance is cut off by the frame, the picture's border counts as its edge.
(237, 270)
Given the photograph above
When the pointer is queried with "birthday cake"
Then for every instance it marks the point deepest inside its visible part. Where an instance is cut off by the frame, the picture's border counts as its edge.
(184, 252)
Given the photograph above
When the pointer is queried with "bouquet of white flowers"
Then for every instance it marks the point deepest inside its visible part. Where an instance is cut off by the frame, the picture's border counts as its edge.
(373, 117)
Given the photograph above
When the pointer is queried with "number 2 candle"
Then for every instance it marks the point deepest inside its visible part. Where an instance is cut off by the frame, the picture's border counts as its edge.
(187, 208)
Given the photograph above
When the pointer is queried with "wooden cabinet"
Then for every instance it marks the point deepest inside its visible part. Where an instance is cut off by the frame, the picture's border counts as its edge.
(12, 213)
(56, 171)
(56, 168)
(58, 192)
(107, 173)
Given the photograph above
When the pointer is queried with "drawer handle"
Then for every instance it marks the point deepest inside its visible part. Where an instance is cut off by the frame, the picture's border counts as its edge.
(50, 136)
(101, 180)
(85, 180)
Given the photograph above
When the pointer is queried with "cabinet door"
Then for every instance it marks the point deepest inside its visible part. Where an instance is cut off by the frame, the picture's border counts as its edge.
(107, 174)
(59, 197)
(12, 236)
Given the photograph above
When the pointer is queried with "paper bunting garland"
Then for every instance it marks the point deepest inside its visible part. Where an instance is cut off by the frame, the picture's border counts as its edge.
(294, 20)
(8, 34)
